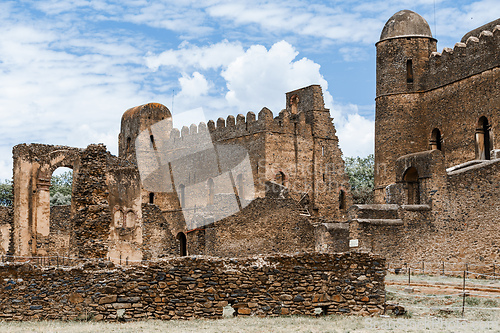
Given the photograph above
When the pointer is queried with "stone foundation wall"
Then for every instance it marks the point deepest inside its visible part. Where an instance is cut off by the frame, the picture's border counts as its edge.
(196, 287)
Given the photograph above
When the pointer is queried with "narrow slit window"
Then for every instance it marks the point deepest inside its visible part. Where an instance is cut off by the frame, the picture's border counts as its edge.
(409, 71)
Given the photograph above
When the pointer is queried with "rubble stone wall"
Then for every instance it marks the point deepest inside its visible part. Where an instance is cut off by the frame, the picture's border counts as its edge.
(196, 287)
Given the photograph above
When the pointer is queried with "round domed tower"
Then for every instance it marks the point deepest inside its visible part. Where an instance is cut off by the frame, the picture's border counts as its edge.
(403, 52)
(136, 120)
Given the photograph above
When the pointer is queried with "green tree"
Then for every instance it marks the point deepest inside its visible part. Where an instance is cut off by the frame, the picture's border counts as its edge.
(60, 189)
(6, 196)
(360, 172)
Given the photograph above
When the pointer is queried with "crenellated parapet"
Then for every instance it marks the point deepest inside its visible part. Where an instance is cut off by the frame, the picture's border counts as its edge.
(241, 126)
(476, 55)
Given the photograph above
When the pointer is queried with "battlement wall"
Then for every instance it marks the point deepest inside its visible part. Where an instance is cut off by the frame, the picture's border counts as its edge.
(175, 144)
(231, 128)
(477, 55)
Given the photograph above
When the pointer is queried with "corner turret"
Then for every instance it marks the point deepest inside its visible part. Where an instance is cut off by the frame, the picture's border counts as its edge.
(138, 119)
(403, 53)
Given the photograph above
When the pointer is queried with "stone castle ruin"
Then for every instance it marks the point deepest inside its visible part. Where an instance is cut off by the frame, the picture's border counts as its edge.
(436, 153)
(272, 186)
(187, 192)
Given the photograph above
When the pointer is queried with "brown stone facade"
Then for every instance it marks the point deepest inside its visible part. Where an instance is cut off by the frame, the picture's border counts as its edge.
(436, 148)
(197, 287)
(202, 190)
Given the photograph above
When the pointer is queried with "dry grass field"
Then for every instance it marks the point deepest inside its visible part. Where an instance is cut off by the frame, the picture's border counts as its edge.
(434, 305)
(253, 324)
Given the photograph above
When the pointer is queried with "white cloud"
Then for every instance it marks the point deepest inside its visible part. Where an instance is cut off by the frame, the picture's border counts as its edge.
(193, 86)
(259, 77)
(206, 57)
(356, 135)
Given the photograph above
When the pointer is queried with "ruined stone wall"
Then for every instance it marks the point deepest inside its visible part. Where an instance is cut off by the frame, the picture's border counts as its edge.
(458, 223)
(265, 226)
(33, 165)
(184, 288)
(57, 242)
(124, 197)
(300, 143)
(474, 197)
(92, 217)
(157, 240)
(6, 229)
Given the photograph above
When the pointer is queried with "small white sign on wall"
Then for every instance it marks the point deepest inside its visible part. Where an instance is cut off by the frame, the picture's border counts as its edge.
(353, 243)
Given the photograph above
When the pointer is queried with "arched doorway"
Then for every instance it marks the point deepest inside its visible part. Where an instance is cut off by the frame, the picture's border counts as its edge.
(435, 141)
(483, 139)
(412, 186)
(182, 244)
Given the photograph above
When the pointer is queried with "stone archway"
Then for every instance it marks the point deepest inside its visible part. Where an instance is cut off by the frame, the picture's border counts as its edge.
(33, 168)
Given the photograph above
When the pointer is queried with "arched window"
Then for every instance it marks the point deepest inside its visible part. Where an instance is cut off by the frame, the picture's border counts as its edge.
(182, 243)
(280, 178)
(483, 139)
(211, 191)
(118, 218)
(436, 140)
(239, 186)
(342, 204)
(182, 195)
(151, 198)
(412, 186)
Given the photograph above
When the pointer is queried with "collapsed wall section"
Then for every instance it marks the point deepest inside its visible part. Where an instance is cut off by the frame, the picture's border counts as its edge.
(197, 287)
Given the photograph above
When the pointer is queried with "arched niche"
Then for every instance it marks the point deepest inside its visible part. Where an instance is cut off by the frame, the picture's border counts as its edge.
(411, 180)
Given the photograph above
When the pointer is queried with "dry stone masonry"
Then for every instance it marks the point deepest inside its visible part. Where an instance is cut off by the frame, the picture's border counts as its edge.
(196, 287)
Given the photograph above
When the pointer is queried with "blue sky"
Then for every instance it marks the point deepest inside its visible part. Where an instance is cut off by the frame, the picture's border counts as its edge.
(69, 69)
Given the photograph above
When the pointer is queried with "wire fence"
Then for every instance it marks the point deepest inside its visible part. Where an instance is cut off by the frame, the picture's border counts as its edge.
(470, 286)
(445, 268)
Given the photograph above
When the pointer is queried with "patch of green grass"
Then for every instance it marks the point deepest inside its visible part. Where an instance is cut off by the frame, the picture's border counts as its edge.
(472, 301)
(491, 303)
